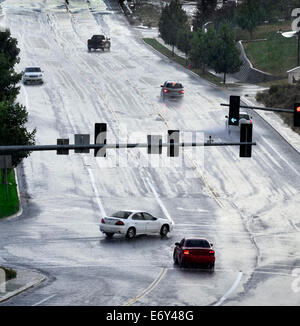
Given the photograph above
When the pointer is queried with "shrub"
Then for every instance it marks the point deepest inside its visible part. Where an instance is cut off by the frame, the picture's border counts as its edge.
(9, 273)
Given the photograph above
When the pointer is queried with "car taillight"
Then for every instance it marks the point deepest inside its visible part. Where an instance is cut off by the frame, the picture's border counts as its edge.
(186, 252)
(211, 252)
(182, 91)
(250, 121)
(102, 221)
(165, 91)
(119, 223)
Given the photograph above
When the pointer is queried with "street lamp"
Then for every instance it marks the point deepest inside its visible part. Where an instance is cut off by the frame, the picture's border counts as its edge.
(204, 29)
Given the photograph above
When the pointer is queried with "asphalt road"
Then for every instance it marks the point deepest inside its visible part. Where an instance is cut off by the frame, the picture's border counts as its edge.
(246, 207)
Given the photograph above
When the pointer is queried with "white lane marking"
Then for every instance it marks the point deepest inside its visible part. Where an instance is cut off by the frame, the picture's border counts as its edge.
(148, 289)
(159, 201)
(26, 98)
(281, 156)
(42, 301)
(233, 287)
(199, 210)
(102, 210)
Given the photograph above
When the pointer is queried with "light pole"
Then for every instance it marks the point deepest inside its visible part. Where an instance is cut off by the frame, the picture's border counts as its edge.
(204, 29)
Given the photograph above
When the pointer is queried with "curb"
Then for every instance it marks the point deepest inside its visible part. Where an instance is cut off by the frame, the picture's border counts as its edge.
(22, 289)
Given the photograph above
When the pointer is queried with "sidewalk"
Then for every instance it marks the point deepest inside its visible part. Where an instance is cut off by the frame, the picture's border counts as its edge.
(25, 279)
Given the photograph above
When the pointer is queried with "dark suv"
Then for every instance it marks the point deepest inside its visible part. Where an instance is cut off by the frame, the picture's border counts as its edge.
(172, 89)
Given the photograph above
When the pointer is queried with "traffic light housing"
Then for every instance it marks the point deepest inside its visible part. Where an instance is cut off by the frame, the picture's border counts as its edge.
(234, 110)
(246, 137)
(297, 115)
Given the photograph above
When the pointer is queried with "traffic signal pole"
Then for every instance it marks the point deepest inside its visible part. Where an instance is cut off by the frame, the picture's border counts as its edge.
(31, 148)
(262, 108)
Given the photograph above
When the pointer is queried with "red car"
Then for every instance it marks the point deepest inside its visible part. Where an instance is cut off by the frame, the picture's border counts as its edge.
(194, 251)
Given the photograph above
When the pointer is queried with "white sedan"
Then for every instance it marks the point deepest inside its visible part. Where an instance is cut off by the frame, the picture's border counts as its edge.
(132, 223)
(33, 75)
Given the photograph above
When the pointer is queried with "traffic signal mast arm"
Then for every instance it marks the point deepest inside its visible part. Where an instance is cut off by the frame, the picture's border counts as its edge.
(262, 108)
(16, 148)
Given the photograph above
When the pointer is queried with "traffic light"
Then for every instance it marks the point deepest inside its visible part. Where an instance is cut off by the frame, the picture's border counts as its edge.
(173, 138)
(62, 141)
(297, 115)
(234, 110)
(246, 137)
(100, 138)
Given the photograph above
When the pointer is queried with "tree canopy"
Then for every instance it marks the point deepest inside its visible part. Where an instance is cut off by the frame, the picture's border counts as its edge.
(173, 18)
(8, 58)
(249, 14)
(13, 116)
(227, 55)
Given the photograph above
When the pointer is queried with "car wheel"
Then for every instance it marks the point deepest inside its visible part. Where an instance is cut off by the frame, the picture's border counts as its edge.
(164, 230)
(181, 264)
(109, 235)
(175, 259)
(211, 267)
(130, 233)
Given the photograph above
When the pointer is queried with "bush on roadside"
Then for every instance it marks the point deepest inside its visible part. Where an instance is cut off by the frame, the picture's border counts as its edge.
(9, 273)
(281, 96)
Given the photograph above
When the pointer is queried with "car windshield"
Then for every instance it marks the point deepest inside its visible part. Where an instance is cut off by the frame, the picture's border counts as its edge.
(99, 37)
(121, 214)
(197, 243)
(244, 116)
(33, 69)
(174, 85)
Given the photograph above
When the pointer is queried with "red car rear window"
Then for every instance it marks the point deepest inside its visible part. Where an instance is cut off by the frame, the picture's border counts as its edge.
(197, 243)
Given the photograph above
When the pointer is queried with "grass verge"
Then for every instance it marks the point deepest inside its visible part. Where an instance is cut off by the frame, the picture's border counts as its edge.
(9, 202)
(274, 53)
(174, 57)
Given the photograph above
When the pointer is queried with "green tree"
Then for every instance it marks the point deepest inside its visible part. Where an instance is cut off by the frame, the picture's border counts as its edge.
(8, 58)
(249, 15)
(184, 37)
(13, 131)
(203, 48)
(205, 10)
(172, 19)
(13, 116)
(227, 55)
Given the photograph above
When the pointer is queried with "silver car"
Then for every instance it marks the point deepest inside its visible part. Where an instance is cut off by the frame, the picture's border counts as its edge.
(33, 75)
(133, 222)
(172, 89)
